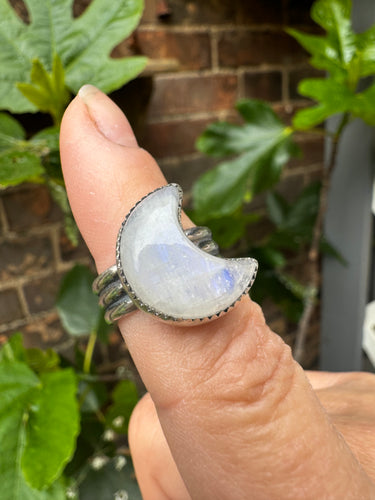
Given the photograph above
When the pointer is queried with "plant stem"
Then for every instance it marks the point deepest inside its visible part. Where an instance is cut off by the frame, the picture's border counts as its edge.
(89, 352)
(314, 252)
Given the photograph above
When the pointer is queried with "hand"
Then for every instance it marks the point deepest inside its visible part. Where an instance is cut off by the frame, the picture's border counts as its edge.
(239, 415)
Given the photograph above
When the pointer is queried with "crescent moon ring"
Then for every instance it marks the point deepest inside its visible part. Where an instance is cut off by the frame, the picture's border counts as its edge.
(171, 273)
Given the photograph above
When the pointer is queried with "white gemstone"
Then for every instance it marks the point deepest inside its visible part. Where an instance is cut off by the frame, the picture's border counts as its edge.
(170, 274)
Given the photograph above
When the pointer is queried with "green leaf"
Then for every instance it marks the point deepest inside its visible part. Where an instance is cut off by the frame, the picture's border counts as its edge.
(42, 361)
(19, 166)
(325, 55)
(221, 190)
(297, 225)
(278, 208)
(47, 140)
(13, 349)
(52, 429)
(115, 479)
(282, 289)
(47, 90)
(17, 385)
(269, 257)
(268, 170)
(125, 397)
(83, 44)
(228, 230)
(364, 105)
(335, 17)
(264, 146)
(11, 132)
(88, 442)
(366, 49)
(333, 98)
(77, 305)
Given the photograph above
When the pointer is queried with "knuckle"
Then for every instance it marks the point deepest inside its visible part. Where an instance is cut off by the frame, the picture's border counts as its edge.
(253, 373)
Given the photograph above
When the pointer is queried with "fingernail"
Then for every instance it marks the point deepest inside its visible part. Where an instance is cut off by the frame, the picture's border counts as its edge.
(107, 116)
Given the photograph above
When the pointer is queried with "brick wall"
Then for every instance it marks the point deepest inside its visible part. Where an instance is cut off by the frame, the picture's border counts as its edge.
(205, 55)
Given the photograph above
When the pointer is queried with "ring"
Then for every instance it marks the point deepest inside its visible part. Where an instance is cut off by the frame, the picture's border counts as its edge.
(171, 273)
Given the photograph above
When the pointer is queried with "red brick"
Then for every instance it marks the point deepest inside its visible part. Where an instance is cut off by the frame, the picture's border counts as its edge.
(217, 11)
(312, 152)
(29, 207)
(298, 12)
(265, 85)
(290, 186)
(295, 76)
(24, 256)
(149, 12)
(10, 307)
(69, 252)
(192, 50)
(193, 94)
(287, 111)
(172, 138)
(251, 48)
(260, 12)
(41, 294)
(45, 333)
(202, 12)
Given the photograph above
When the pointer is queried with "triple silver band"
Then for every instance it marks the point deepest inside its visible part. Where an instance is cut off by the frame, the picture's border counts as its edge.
(112, 294)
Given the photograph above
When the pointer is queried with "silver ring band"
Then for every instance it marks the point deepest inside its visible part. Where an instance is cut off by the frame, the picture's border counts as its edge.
(112, 295)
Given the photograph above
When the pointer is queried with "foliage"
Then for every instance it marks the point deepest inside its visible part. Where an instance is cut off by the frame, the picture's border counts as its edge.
(55, 41)
(256, 152)
(42, 64)
(60, 425)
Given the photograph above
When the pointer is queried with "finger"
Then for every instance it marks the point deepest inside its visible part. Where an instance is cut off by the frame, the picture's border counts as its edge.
(155, 468)
(349, 399)
(236, 410)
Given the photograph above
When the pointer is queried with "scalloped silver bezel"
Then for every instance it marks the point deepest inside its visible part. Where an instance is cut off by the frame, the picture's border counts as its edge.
(138, 300)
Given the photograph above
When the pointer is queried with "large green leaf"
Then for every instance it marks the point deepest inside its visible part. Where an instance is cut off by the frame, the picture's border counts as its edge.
(364, 105)
(52, 429)
(366, 49)
(77, 305)
(19, 166)
(24, 160)
(83, 44)
(18, 388)
(335, 17)
(325, 54)
(347, 56)
(11, 132)
(264, 145)
(221, 190)
(332, 97)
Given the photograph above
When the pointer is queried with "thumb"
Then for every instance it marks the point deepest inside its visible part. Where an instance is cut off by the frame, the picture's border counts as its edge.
(238, 413)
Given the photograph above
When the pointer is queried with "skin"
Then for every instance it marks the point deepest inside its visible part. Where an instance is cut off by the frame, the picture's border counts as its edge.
(229, 414)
